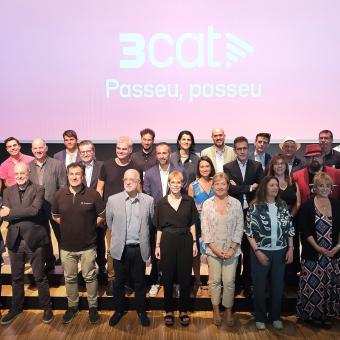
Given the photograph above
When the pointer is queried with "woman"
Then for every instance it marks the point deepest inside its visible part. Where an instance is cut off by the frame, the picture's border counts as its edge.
(290, 193)
(200, 190)
(185, 156)
(176, 245)
(270, 234)
(319, 225)
(222, 230)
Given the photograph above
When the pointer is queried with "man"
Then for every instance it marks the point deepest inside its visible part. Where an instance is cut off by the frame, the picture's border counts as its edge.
(145, 157)
(289, 147)
(50, 173)
(129, 217)
(13, 148)
(262, 141)
(245, 175)
(79, 210)
(219, 153)
(70, 154)
(156, 186)
(110, 182)
(314, 164)
(93, 167)
(26, 238)
(331, 157)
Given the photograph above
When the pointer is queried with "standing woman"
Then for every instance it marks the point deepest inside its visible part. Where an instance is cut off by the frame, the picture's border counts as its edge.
(176, 216)
(185, 156)
(270, 234)
(200, 190)
(222, 231)
(319, 224)
(290, 193)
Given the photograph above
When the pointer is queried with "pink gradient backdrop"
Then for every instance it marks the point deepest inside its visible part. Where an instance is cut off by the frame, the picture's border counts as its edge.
(56, 56)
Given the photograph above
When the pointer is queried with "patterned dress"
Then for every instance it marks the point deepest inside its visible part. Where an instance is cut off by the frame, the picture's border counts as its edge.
(319, 289)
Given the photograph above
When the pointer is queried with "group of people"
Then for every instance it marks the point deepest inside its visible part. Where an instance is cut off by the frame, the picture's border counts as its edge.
(247, 212)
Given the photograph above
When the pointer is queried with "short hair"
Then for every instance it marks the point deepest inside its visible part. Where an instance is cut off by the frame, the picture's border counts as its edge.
(164, 144)
(70, 134)
(10, 139)
(86, 142)
(206, 159)
(186, 132)
(176, 175)
(76, 165)
(261, 192)
(271, 172)
(147, 131)
(240, 139)
(326, 131)
(126, 140)
(322, 178)
(221, 176)
(264, 135)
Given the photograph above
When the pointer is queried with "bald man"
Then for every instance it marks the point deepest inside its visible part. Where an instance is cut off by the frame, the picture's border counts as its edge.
(129, 216)
(50, 173)
(219, 153)
(26, 238)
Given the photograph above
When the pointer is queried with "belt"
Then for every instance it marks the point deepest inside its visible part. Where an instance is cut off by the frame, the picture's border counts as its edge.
(133, 245)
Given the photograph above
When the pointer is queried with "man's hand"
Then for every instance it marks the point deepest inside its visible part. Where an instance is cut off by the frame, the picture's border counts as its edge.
(4, 211)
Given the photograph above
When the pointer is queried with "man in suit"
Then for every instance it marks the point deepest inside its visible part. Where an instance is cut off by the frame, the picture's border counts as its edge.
(129, 216)
(245, 175)
(70, 154)
(219, 153)
(262, 141)
(50, 173)
(156, 185)
(87, 155)
(26, 238)
(289, 147)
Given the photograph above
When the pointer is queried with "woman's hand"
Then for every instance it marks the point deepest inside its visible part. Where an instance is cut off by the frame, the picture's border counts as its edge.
(158, 253)
(262, 258)
(333, 251)
(289, 255)
(325, 252)
(194, 249)
(229, 253)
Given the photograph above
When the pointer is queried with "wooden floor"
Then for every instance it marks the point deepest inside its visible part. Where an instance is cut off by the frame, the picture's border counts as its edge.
(29, 326)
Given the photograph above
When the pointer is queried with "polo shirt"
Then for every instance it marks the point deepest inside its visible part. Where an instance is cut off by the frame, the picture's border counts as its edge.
(143, 160)
(78, 213)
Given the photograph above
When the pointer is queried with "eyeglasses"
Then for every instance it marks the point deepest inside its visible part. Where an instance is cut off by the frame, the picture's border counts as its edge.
(86, 152)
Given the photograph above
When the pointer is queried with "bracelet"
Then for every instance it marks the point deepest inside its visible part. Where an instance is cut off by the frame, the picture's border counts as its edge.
(157, 245)
(194, 241)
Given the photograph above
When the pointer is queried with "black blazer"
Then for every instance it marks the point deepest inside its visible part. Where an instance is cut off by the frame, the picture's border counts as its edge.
(306, 226)
(254, 174)
(25, 216)
(95, 173)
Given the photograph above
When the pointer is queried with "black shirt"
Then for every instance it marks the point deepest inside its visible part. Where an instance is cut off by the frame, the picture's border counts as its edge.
(167, 217)
(333, 159)
(143, 160)
(78, 214)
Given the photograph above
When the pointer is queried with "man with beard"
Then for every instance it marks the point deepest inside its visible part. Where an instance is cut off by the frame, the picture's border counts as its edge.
(314, 164)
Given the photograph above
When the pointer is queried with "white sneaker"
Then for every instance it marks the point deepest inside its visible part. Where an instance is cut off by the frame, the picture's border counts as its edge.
(154, 290)
(260, 325)
(278, 324)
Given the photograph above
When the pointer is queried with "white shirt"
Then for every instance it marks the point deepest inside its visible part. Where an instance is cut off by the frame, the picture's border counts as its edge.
(164, 179)
(273, 226)
(260, 158)
(219, 160)
(88, 172)
(243, 168)
(70, 158)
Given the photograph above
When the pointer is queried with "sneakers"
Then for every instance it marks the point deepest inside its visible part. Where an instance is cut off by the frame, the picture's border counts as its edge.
(109, 289)
(115, 318)
(278, 324)
(70, 314)
(93, 315)
(47, 316)
(154, 290)
(260, 326)
(9, 317)
(144, 320)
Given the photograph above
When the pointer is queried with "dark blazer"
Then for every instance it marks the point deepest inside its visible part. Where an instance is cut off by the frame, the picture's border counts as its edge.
(25, 216)
(254, 174)
(298, 164)
(97, 165)
(61, 156)
(306, 227)
(267, 157)
(152, 181)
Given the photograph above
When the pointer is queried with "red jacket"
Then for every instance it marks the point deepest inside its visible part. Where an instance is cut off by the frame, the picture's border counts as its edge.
(301, 177)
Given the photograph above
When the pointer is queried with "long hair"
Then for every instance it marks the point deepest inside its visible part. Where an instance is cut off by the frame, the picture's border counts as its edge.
(186, 132)
(271, 172)
(261, 192)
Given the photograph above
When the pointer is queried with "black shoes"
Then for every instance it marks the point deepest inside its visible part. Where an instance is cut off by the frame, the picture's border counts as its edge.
(70, 314)
(115, 318)
(144, 320)
(47, 316)
(93, 315)
(9, 317)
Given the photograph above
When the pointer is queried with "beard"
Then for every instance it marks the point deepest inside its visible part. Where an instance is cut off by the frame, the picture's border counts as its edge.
(315, 166)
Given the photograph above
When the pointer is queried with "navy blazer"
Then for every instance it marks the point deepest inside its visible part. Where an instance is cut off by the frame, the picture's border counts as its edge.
(61, 155)
(97, 165)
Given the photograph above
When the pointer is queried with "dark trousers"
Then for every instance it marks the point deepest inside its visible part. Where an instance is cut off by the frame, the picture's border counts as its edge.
(49, 255)
(276, 268)
(101, 251)
(131, 265)
(155, 274)
(37, 260)
(176, 263)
